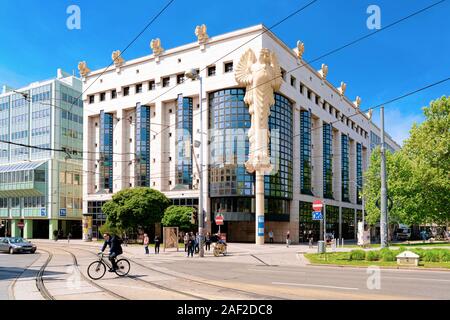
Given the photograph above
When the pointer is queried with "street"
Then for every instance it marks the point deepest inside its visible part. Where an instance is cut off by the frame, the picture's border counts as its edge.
(58, 271)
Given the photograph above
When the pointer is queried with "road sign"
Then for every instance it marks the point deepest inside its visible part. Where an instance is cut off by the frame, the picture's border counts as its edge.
(260, 226)
(62, 212)
(20, 224)
(317, 205)
(317, 215)
(219, 220)
(43, 212)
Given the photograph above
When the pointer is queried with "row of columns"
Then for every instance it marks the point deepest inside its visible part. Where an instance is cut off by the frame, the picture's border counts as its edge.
(28, 228)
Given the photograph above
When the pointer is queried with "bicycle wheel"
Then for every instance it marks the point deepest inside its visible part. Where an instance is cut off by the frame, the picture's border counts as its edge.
(123, 267)
(96, 270)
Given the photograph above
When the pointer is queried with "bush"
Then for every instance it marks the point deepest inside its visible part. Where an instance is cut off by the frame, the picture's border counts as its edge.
(388, 255)
(357, 255)
(373, 256)
(444, 255)
(431, 255)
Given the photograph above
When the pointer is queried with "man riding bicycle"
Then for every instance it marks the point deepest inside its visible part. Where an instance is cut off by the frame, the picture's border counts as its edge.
(115, 249)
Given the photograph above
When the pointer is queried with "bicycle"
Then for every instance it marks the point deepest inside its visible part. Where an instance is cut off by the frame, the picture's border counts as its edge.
(97, 269)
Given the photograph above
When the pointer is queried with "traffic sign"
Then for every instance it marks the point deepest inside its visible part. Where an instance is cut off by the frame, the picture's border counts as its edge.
(62, 212)
(219, 220)
(43, 212)
(317, 205)
(317, 215)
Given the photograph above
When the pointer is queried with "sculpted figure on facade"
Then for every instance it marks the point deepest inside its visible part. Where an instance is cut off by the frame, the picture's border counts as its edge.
(323, 71)
(300, 49)
(200, 32)
(117, 58)
(262, 77)
(83, 69)
(155, 45)
(342, 88)
(357, 102)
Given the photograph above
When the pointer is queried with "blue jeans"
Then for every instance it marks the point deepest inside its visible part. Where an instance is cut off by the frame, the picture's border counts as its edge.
(112, 259)
(146, 249)
(191, 251)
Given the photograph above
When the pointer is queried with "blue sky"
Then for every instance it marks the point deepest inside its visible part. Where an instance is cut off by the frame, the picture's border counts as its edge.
(35, 41)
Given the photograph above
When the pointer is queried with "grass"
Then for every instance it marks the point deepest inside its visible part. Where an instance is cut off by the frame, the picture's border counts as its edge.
(343, 259)
(405, 244)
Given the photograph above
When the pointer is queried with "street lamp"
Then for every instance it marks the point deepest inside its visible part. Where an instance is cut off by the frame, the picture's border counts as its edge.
(194, 75)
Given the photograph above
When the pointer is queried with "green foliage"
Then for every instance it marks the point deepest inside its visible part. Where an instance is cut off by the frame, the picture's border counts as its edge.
(418, 175)
(135, 207)
(373, 255)
(178, 216)
(388, 255)
(108, 228)
(357, 255)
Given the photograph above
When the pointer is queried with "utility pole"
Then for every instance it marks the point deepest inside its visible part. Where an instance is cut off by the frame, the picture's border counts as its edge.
(383, 202)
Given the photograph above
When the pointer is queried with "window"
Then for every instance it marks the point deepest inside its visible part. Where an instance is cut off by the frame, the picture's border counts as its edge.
(228, 67)
(151, 85)
(102, 96)
(139, 88)
(91, 99)
(211, 71)
(283, 74)
(180, 78)
(302, 88)
(113, 94)
(317, 99)
(166, 82)
(126, 91)
(293, 81)
(309, 94)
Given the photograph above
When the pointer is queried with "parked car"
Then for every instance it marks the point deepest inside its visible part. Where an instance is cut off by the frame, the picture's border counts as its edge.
(16, 244)
(403, 232)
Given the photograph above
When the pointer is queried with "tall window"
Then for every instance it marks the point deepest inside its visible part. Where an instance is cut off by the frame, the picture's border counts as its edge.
(142, 141)
(106, 152)
(359, 173)
(305, 152)
(184, 141)
(345, 171)
(327, 161)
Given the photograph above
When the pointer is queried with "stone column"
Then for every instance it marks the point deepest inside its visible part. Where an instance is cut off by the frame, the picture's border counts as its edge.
(15, 230)
(259, 212)
(52, 226)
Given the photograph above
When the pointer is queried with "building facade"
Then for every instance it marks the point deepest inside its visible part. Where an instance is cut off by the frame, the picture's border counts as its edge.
(142, 125)
(40, 187)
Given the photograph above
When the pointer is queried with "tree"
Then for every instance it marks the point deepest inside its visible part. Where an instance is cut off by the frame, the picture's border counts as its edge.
(178, 216)
(400, 185)
(428, 147)
(136, 207)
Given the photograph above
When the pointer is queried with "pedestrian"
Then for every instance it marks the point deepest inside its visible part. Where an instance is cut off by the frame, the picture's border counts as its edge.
(186, 241)
(125, 240)
(157, 242)
(310, 241)
(146, 242)
(270, 236)
(288, 239)
(197, 243)
(68, 237)
(208, 241)
(191, 245)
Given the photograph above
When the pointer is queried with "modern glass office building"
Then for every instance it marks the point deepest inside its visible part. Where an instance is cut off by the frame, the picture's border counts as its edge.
(40, 158)
(142, 125)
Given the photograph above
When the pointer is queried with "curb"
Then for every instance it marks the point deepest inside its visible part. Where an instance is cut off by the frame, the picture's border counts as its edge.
(381, 267)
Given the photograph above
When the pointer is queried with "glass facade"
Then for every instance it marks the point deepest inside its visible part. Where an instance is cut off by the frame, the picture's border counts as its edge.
(106, 152)
(184, 141)
(4, 129)
(142, 141)
(279, 185)
(40, 125)
(305, 152)
(332, 219)
(345, 170)
(20, 109)
(327, 161)
(98, 217)
(348, 223)
(229, 122)
(359, 173)
(307, 226)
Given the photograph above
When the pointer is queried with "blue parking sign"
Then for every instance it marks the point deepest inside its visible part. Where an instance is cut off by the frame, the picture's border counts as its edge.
(43, 212)
(317, 215)
(62, 212)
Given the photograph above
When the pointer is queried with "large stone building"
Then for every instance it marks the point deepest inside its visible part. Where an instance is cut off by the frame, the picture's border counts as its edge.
(41, 188)
(142, 119)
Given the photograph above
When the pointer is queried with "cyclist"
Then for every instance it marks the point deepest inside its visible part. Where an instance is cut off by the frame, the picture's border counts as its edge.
(115, 249)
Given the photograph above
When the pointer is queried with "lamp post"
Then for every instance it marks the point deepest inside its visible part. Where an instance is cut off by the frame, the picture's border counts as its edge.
(194, 75)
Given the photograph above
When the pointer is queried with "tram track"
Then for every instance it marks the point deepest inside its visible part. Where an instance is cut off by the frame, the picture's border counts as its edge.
(12, 286)
(199, 282)
(40, 278)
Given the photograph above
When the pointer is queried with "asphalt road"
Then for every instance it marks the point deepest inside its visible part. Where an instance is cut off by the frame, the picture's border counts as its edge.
(12, 266)
(165, 277)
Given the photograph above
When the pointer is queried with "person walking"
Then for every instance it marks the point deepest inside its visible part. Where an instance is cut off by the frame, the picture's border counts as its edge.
(270, 236)
(288, 239)
(68, 237)
(146, 242)
(186, 241)
(208, 241)
(157, 243)
(191, 245)
(197, 243)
